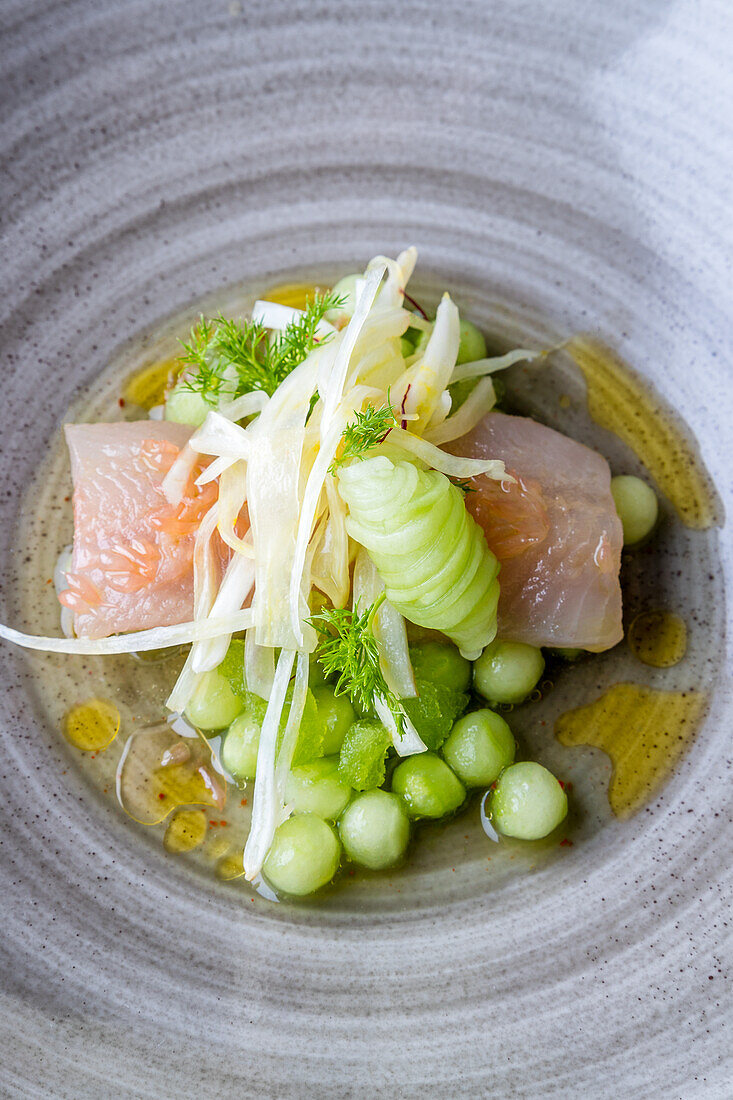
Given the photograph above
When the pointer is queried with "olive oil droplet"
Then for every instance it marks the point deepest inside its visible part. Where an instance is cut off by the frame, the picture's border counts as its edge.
(185, 831)
(295, 295)
(92, 726)
(231, 866)
(658, 638)
(147, 387)
(625, 405)
(644, 731)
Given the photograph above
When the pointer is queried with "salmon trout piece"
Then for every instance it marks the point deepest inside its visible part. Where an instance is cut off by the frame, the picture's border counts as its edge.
(132, 562)
(555, 532)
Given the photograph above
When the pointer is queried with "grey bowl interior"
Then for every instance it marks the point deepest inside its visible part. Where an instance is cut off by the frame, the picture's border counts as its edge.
(564, 169)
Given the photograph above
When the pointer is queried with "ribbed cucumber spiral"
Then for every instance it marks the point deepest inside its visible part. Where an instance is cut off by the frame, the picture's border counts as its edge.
(436, 567)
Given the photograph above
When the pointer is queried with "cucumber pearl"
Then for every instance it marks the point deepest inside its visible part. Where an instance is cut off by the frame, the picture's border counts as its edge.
(427, 786)
(184, 406)
(528, 802)
(472, 344)
(214, 705)
(317, 789)
(304, 855)
(375, 829)
(241, 743)
(479, 747)
(442, 664)
(336, 714)
(506, 672)
(637, 507)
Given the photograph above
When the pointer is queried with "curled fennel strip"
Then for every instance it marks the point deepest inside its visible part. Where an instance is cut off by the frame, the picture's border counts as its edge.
(480, 401)
(480, 367)
(233, 591)
(264, 804)
(450, 465)
(275, 316)
(174, 482)
(259, 665)
(140, 641)
(428, 379)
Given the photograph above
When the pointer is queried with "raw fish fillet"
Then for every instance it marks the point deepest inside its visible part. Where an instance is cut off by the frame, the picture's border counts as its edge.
(556, 533)
(132, 563)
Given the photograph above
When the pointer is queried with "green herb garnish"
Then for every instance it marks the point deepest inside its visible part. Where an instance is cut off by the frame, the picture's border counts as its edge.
(367, 430)
(223, 356)
(349, 649)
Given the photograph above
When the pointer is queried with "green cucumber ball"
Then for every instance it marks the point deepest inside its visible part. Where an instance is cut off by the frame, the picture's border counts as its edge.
(427, 786)
(472, 344)
(336, 714)
(375, 829)
(527, 802)
(506, 672)
(317, 789)
(304, 855)
(441, 663)
(637, 507)
(240, 746)
(214, 705)
(479, 747)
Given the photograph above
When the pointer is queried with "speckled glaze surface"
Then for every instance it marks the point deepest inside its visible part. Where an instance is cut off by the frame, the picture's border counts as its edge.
(569, 166)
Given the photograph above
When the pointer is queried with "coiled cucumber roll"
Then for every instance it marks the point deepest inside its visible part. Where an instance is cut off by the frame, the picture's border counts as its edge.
(433, 558)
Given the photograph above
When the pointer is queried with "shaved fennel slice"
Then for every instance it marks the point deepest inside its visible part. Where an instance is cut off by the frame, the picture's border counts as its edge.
(451, 465)
(204, 566)
(265, 803)
(140, 641)
(60, 569)
(330, 568)
(219, 437)
(311, 497)
(334, 387)
(259, 665)
(292, 728)
(442, 409)
(184, 687)
(398, 276)
(273, 500)
(388, 628)
(232, 498)
(407, 741)
(275, 316)
(479, 402)
(175, 481)
(431, 375)
(214, 470)
(234, 590)
(246, 405)
(480, 367)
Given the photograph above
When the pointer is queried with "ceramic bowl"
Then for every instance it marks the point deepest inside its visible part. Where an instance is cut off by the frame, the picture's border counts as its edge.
(564, 169)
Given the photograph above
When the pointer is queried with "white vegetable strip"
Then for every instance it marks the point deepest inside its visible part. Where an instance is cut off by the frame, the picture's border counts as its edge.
(433, 373)
(335, 386)
(406, 741)
(331, 558)
(246, 405)
(274, 315)
(480, 367)
(451, 465)
(232, 497)
(292, 728)
(388, 628)
(233, 591)
(174, 482)
(218, 436)
(259, 665)
(184, 687)
(264, 806)
(486, 825)
(478, 403)
(140, 641)
(214, 470)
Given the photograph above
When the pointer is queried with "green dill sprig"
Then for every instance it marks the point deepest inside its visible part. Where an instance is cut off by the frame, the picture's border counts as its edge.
(225, 357)
(347, 647)
(366, 430)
